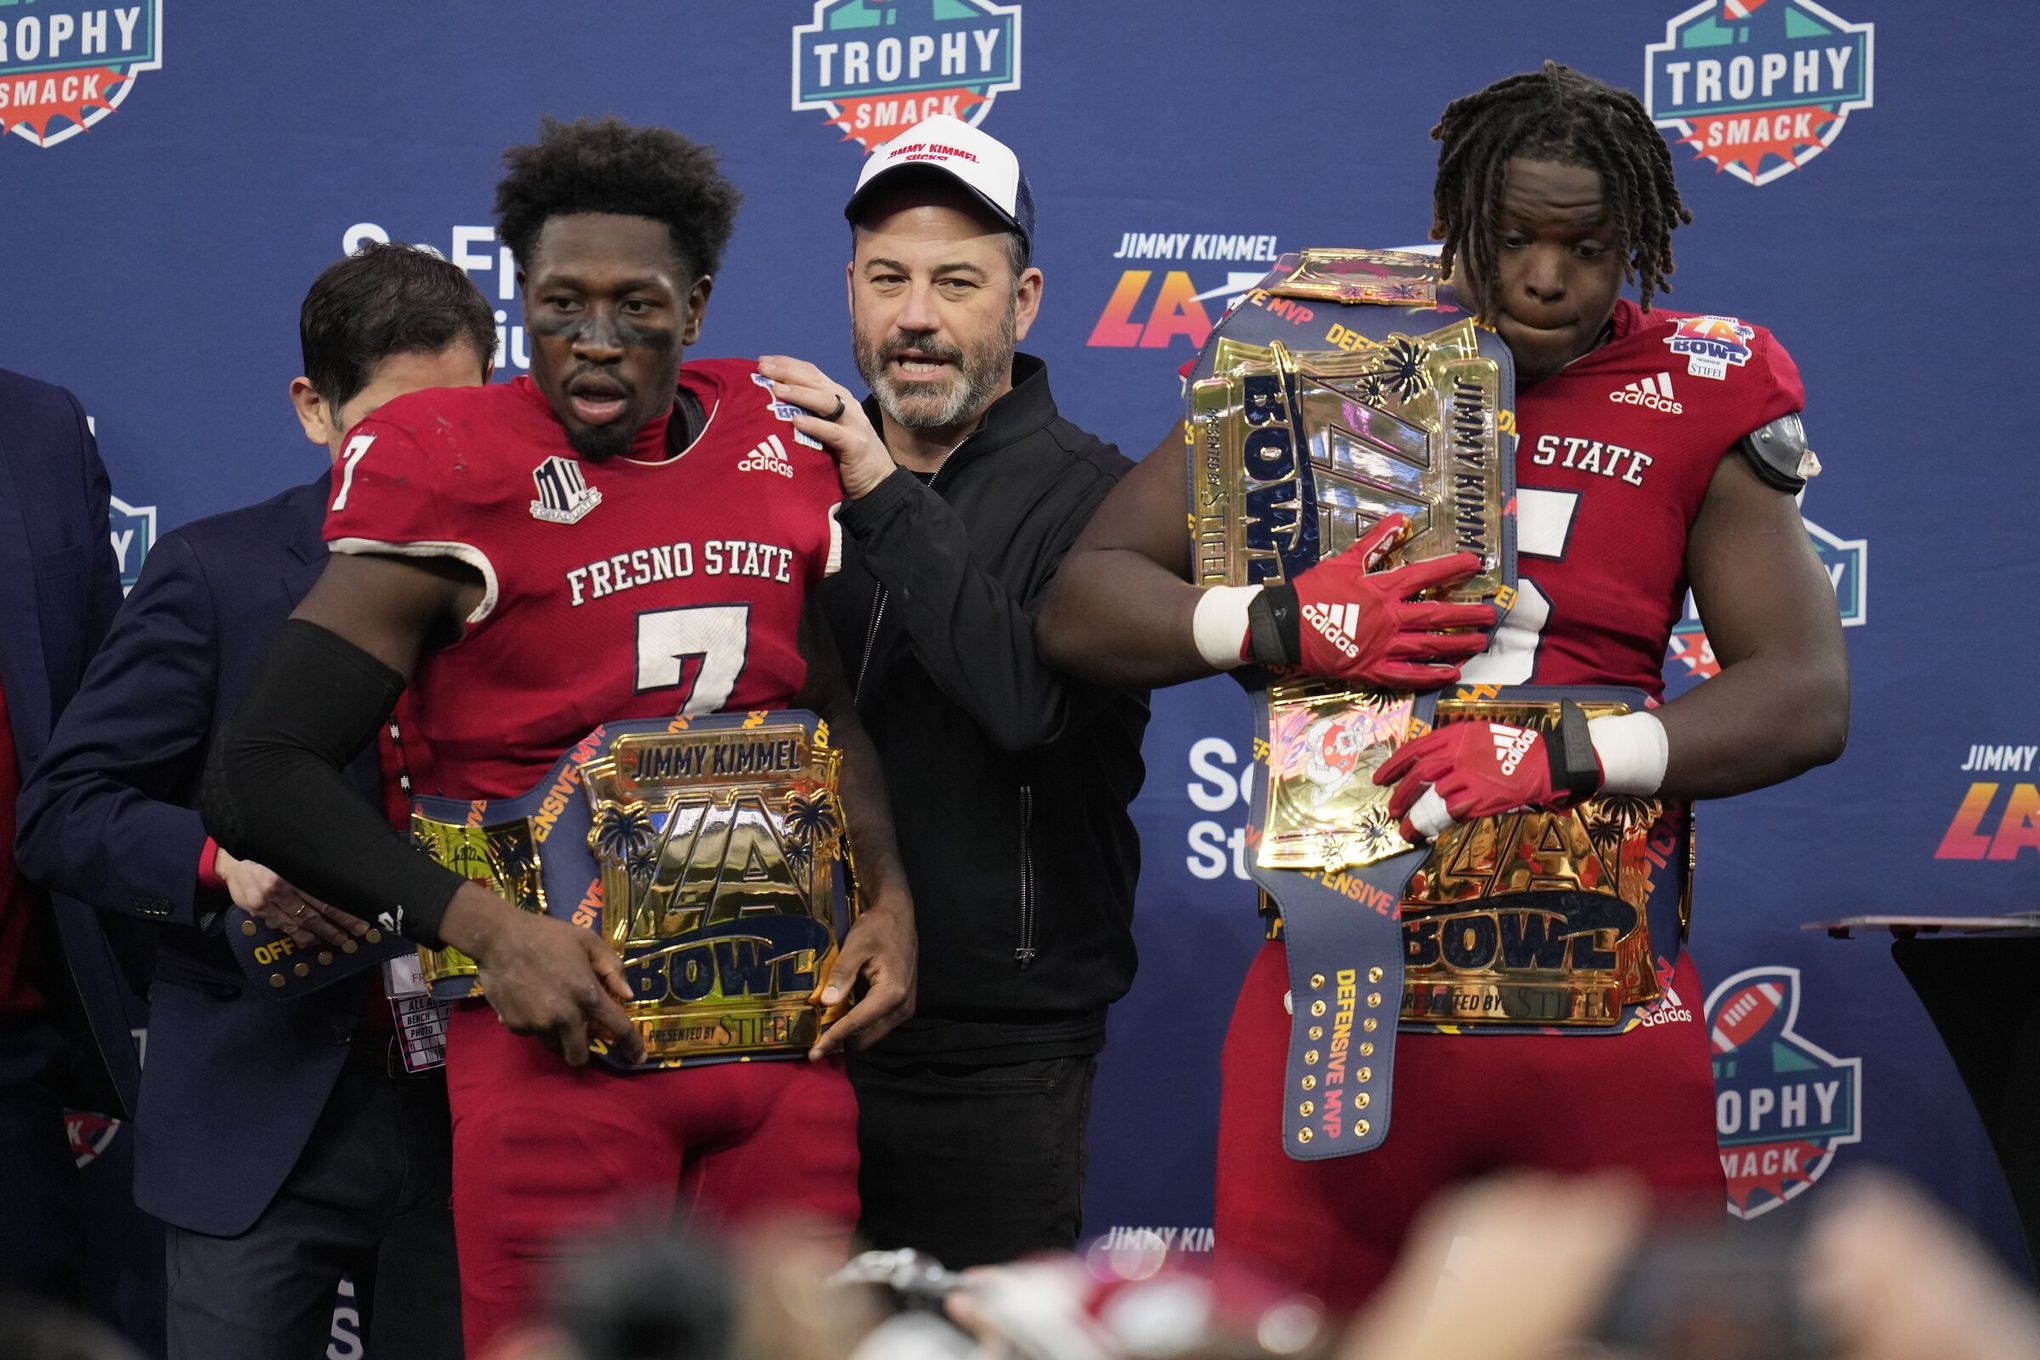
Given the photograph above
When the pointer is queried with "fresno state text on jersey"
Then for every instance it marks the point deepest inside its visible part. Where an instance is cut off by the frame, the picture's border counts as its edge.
(642, 585)
(1614, 457)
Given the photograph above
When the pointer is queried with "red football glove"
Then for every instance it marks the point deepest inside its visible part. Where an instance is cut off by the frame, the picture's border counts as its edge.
(1473, 769)
(1342, 620)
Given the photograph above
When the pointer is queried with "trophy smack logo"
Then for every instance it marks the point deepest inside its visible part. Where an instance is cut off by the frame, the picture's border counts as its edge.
(1758, 87)
(877, 67)
(66, 65)
(1782, 1104)
(134, 533)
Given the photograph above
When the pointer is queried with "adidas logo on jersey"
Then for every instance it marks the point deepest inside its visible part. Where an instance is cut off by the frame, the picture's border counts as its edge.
(769, 456)
(1336, 624)
(1511, 745)
(1656, 393)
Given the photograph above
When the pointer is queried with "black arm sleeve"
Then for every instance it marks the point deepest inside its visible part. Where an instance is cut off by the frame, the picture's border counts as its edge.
(274, 792)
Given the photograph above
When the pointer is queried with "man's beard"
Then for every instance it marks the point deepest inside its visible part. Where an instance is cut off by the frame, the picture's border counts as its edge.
(599, 442)
(977, 376)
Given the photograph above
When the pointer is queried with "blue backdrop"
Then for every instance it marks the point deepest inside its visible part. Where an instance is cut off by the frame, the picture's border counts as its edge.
(1851, 189)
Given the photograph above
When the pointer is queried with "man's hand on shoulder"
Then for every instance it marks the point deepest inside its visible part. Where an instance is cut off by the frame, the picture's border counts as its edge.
(881, 953)
(544, 977)
(833, 416)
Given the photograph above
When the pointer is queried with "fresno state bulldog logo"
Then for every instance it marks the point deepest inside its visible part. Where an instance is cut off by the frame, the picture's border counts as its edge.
(1782, 1103)
(66, 65)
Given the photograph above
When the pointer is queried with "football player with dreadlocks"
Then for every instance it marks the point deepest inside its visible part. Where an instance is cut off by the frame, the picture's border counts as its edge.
(1657, 451)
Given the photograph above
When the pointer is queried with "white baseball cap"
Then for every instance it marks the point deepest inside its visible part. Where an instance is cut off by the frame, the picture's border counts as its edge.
(985, 166)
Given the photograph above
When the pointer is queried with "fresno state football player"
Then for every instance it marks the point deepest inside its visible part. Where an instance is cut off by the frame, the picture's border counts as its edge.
(533, 560)
(1657, 451)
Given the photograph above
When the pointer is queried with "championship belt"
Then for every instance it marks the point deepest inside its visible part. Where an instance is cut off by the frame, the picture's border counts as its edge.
(1547, 922)
(1348, 386)
(710, 853)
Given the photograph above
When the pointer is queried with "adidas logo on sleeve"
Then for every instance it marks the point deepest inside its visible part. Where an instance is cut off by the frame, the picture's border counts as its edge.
(1656, 393)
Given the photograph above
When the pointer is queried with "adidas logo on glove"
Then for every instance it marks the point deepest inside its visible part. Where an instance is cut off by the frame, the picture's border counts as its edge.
(1511, 745)
(1336, 624)
(1656, 393)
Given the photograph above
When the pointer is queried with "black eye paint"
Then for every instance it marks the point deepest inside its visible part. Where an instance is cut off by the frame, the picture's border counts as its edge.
(661, 338)
(597, 328)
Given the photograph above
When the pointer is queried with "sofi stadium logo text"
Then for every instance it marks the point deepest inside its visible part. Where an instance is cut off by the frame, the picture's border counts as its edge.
(877, 67)
(1782, 1103)
(1759, 87)
(65, 65)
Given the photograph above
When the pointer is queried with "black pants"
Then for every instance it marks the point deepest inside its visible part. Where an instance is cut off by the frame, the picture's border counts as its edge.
(973, 1165)
(39, 1223)
(370, 1198)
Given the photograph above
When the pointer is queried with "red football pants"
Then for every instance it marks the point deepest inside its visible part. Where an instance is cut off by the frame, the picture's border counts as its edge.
(544, 1154)
(1463, 1106)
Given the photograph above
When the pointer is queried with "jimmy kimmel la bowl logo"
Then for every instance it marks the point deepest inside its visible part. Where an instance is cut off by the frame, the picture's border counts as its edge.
(877, 67)
(1758, 87)
(66, 64)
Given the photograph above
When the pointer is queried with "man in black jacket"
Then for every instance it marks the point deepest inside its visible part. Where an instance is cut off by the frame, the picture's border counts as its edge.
(1010, 783)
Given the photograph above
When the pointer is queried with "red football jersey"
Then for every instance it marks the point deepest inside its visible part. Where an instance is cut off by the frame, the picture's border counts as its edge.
(1615, 454)
(636, 586)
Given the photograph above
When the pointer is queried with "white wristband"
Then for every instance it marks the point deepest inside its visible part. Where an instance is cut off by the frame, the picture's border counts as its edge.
(1430, 816)
(1220, 625)
(1632, 750)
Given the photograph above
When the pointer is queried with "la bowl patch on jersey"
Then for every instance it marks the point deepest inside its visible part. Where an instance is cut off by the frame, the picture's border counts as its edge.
(1711, 344)
(1782, 1103)
(66, 64)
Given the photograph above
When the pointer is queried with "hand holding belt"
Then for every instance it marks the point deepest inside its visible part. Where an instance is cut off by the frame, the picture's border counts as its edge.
(709, 852)
(1481, 769)
(1344, 620)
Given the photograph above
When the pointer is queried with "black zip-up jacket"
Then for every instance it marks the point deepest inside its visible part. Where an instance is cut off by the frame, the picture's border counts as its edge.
(1009, 782)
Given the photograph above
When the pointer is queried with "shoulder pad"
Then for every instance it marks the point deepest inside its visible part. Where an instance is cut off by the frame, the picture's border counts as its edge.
(1779, 454)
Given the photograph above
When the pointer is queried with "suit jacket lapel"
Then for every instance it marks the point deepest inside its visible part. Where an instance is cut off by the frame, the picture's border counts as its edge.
(306, 538)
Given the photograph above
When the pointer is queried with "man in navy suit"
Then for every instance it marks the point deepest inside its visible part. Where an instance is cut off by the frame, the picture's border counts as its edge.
(59, 587)
(282, 1140)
